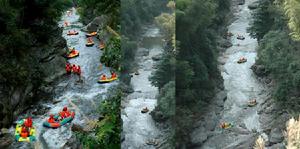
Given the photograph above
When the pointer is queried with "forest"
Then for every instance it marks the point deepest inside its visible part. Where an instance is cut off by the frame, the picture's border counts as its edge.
(197, 75)
(275, 27)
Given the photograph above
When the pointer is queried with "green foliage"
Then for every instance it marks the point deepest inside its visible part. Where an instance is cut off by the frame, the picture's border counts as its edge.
(166, 100)
(196, 59)
(25, 24)
(89, 9)
(198, 25)
(108, 130)
(112, 53)
(292, 10)
(165, 70)
(277, 51)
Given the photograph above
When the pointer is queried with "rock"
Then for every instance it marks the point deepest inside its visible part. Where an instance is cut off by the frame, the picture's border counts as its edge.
(277, 146)
(211, 121)
(5, 142)
(57, 138)
(226, 44)
(253, 5)
(199, 136)
(77, 128)
(241, 2)
(259, 70)
(156, 57)
(98, 23)
(276, 136)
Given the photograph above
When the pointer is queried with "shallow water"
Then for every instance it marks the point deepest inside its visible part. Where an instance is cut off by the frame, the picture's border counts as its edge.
(86, 95)
(137, 127)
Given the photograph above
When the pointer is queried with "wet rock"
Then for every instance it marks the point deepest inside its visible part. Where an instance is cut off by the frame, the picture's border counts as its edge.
(259, 70)
(241, 2)
(77, 128)
(276, 136)
(199, 136)
(6, 141)
(156, 57)
(57, 138)
(73, 143)
(98, 22)
(40, 110)
(226, 44)
(253, 5)
(277, 146)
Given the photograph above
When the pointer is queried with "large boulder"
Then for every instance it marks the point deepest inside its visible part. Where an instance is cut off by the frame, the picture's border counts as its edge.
(98, 23)
(276, 136)
(254, 5)
(241, 2)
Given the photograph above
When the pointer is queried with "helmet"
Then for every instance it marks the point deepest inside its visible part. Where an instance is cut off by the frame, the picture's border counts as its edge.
(65, 109)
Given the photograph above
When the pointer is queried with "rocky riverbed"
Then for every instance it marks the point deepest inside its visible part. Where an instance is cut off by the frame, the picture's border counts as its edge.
(241, 84)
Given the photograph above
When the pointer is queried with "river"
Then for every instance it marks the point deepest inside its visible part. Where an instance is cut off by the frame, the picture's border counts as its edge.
(241, 85)
(86, 95)
(139, 128)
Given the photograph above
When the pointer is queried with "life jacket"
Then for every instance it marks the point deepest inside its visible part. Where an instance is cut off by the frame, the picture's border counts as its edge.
(113, 75)
(103, 78)
(74, 69)
(28, 123)
(51, 120)
(24, 132)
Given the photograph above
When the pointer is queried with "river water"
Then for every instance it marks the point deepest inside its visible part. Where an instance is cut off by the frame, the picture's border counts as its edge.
(241, 85)
(86, 95)
(137, 127)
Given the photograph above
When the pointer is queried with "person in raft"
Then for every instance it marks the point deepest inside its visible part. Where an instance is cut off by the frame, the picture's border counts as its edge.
(64, 113)
(89, 40)
(103, 77)
(25, 130)
(113, 75)
(51, 119)
(74, 68)
(66, 23)
(73, 50)
(28, 122)
(68, 68)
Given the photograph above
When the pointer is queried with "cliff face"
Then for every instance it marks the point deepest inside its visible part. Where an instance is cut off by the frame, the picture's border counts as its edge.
(46, 65)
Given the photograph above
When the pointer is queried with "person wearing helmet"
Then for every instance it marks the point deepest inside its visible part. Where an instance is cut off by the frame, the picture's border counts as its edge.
(65, 113)
(68, 68)
(74, 68)
(28, 122)
(103, 77)
(24, 132)
(51, 119)
(113, 75)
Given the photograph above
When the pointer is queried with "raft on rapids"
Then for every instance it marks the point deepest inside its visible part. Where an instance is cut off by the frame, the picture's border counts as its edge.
(107, 80)
(73, 54)
(59, 123)
(72, 33)
(91, 34)
(19, 136)
(89, 44)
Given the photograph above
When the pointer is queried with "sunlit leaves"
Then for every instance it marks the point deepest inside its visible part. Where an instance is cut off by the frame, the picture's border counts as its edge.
(292, 10)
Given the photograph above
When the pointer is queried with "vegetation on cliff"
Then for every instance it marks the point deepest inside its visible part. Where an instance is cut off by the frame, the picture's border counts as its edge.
(278, 51)
(196, 65)
(108, 129)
